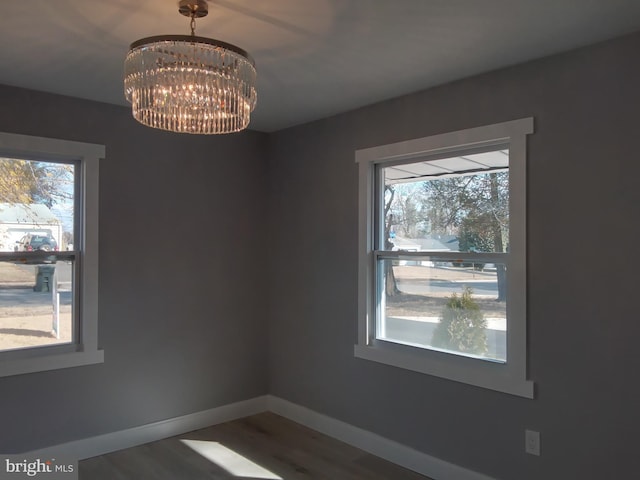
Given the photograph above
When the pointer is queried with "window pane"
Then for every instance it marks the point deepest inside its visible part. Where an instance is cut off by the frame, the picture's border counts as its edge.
(438, 306)
(37, 207)
(36, 304)
(452, 204)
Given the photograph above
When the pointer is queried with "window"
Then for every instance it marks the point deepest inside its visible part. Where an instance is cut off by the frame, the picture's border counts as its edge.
(48, 254)
(442, 262)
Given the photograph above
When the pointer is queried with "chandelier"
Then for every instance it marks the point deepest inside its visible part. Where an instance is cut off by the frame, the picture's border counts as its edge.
(190, 84)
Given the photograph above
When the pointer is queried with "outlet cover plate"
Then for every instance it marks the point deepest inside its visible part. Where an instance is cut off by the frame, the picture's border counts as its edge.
(532, 442)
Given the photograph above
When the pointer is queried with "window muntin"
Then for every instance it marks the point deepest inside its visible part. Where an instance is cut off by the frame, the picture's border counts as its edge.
(58, 254)
(449, 155)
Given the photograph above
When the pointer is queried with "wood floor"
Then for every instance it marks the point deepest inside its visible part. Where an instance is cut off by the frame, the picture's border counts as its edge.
(264, 446)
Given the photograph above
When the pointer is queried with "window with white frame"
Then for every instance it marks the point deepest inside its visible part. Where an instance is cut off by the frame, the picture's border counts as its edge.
(48, 254)
(442, 262)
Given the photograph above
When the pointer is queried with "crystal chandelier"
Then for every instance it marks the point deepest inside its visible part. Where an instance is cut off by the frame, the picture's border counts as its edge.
(190, 84)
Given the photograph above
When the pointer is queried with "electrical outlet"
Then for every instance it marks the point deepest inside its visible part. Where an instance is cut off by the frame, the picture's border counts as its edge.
(532, 442)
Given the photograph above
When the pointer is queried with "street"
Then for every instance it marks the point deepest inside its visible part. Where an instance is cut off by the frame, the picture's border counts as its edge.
(443, 281)
(431, 286)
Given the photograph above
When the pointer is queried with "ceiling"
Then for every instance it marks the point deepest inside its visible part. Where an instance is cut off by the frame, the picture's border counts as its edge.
(315, 58)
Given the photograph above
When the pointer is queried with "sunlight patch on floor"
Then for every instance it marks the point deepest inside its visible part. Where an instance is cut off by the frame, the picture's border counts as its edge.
(232, 462)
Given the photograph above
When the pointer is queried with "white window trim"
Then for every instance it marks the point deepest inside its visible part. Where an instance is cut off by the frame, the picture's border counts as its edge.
(509, 377)
(86, 351)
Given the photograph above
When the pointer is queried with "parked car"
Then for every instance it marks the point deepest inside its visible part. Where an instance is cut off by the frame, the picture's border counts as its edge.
(36, 241)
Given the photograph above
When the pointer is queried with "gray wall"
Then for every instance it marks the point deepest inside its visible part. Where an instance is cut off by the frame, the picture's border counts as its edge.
(583, 210)
(182, 323)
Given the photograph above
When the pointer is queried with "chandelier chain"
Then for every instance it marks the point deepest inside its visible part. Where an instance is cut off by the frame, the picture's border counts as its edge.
(193, 23)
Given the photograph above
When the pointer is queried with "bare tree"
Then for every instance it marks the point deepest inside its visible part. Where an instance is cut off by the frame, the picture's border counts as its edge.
(475, 208)
(27, 181)
(391, 286)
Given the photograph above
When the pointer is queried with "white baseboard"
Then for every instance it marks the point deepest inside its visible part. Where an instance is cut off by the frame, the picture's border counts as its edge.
(131, 437)
(372, 443)
(355, 436)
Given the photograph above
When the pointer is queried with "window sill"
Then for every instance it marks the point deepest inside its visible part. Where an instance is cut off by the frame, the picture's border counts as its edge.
(484, 374)
(44, 362)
